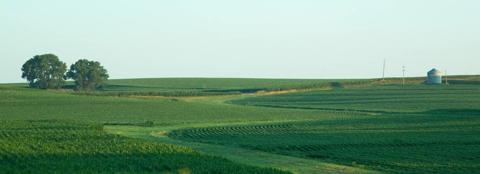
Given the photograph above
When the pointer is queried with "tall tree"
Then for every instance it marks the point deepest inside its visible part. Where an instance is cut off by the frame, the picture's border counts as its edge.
(88, 75)
(44, 71)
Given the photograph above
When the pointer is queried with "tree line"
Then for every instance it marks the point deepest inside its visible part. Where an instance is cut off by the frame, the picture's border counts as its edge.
(48, 72)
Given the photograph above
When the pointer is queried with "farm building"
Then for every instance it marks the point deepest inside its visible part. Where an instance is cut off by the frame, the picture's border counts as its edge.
(434, 76)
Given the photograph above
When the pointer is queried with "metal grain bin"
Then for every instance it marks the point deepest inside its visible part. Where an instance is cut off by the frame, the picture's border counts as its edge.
(434, 76)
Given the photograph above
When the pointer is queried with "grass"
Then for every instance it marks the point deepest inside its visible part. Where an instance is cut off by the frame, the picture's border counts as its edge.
(392, 144)
(22, 103)
(239, 155)
(52, 146)
(232, 125)
(415, 129)
(22, 107)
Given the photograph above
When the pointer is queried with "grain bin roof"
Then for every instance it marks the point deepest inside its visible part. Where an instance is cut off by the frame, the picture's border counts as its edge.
(435, 72)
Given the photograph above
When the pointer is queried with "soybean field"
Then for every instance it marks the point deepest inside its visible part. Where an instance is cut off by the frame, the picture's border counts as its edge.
(52, 146)
(243, 126)
(392, 144)
(414, 129)
(212, 86)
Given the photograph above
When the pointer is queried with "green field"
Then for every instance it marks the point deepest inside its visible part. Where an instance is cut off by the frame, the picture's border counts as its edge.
(416, 129)
(380, 99)
(243, 126)
(51, 146)
(211, 86)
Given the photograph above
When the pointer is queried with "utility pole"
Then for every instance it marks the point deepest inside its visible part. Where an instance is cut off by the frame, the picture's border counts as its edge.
(384, 65)
(446, 78)
(403, 79)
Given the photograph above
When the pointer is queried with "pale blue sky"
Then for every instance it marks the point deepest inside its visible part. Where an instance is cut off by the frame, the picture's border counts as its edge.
(245, 38)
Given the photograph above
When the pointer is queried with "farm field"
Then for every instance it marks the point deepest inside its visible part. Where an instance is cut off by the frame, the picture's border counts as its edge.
(380, 99)
(245, 126)
(416, 129)
(211, 86)
(178, 87)
(20, 103)
(239, 87)
(51, 146)
(391, 144)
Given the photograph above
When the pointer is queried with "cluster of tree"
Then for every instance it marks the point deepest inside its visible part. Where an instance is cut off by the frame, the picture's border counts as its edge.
(48, 72)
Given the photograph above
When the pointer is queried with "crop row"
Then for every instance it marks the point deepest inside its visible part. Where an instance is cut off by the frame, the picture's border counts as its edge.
(68, 147)
(385, 99)
(393, 143)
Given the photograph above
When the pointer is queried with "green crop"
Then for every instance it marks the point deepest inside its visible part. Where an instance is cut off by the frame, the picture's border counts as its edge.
(332, 125)
(411, 129)
(52, 146)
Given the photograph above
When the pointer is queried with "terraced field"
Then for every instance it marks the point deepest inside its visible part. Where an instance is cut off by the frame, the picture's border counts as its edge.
(52, 146)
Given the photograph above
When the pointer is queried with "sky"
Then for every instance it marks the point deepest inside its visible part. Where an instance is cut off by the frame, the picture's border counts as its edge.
(245, 38)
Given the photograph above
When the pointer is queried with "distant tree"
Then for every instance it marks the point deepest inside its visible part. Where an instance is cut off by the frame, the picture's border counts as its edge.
(88, 75)
(44, 71)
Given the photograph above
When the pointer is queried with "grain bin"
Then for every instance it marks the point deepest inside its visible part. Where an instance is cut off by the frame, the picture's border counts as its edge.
(434, 76)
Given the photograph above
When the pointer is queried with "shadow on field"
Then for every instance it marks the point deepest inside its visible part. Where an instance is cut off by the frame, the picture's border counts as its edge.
(452, 112)
(246, 91)
(464, 82)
